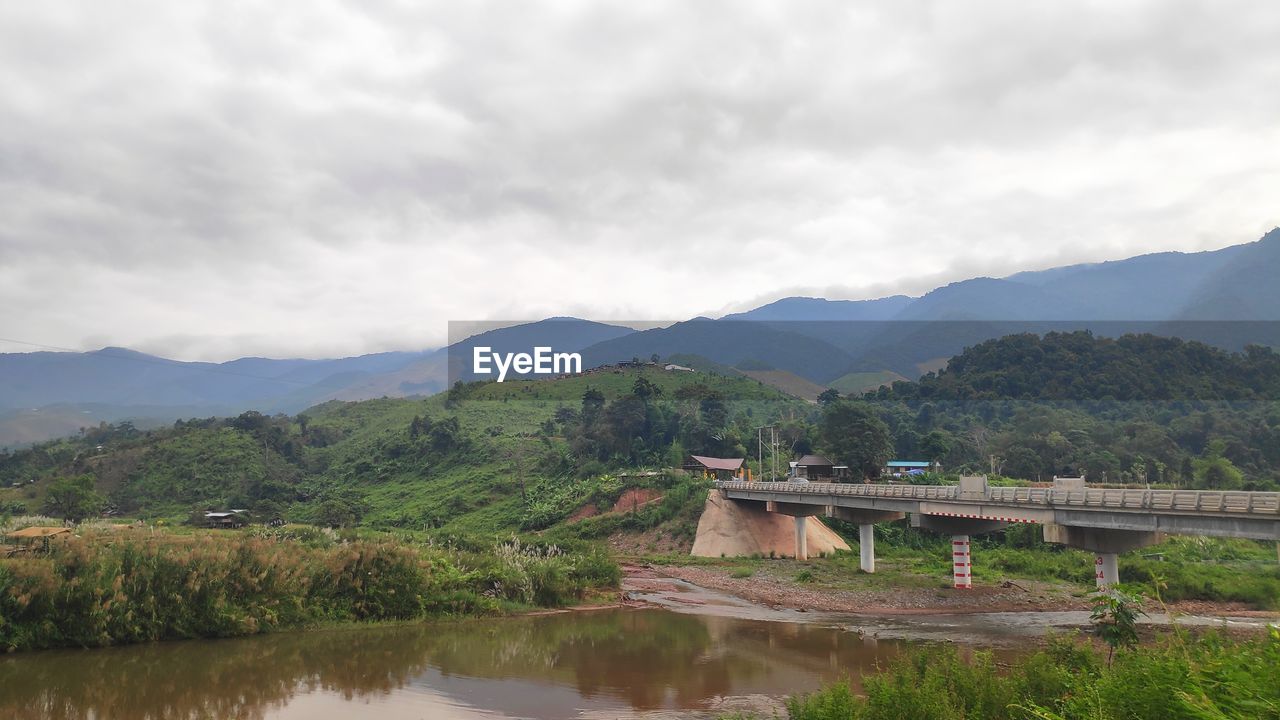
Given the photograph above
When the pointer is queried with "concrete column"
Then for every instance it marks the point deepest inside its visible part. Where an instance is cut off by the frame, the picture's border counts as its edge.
(802, 540)
(867, 546)
(961, 565)
(1107, 572)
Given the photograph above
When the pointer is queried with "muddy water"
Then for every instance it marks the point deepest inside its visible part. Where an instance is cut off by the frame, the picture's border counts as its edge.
(606, 663)
(709, 655)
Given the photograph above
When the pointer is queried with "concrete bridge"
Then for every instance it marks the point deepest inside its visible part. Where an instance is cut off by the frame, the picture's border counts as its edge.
(1103, 521)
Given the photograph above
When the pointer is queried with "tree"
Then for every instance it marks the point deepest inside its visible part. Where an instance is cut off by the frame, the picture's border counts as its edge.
(72, 498)
(341, 507)
(853, 435)
(645, 390)
(1115, 619)
(828, 396)
(936, 445)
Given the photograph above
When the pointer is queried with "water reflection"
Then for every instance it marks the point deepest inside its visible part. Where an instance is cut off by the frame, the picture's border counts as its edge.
(551, 666)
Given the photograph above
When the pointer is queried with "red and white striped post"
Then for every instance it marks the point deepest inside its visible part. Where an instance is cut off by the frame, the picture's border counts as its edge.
(961, 565)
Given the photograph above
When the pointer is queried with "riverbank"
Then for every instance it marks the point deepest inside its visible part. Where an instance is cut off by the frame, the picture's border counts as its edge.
(812, 587)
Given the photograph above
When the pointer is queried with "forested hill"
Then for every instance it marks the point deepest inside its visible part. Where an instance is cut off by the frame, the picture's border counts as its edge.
(481, 457)
(1079, 366)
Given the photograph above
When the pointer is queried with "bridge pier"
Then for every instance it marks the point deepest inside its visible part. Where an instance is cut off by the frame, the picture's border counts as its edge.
(961, 551)
(800, 512)
(802, 544)
(1107, 572)
(1105, 543)
(866, 521)
(961, 563)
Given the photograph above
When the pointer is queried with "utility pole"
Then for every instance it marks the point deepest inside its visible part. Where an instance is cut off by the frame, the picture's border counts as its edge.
(760, 449)
(773, 434)
(773, 448)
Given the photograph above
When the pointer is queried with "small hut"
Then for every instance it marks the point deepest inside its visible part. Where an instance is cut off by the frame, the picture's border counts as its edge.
(27, 539)
(815, 468)
(719, 468)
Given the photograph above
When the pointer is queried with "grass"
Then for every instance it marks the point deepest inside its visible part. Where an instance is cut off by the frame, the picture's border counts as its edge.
(109, 587)
(1176, 678)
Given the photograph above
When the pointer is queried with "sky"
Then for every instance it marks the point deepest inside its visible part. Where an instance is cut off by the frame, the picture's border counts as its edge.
(208, 180)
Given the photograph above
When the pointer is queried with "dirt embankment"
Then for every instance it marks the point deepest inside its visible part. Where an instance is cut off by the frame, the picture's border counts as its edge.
(631, 500)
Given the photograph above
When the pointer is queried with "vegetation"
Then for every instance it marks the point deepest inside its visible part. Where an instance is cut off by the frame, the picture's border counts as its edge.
(1138, 409)
(113, 586)
(72, 498)
(1213, 677)
(482, 458)
(1115, 619)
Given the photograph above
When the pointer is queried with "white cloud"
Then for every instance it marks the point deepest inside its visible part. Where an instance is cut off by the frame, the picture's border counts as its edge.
(208, 180)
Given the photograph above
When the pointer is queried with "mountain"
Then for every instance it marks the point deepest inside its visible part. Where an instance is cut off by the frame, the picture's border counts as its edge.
(118, 376)
(821, 310)
(1188, 295)
(1227, 298)
(440, 369)
(743, 344)
(1242, 288)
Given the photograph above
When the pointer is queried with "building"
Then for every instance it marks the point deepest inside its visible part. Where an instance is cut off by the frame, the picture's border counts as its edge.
(902, 468)
(720, 468)
(672, 367)
(815, 468)
(226, 518)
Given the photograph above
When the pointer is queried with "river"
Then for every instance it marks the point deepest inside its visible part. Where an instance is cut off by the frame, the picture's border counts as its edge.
(694, 661)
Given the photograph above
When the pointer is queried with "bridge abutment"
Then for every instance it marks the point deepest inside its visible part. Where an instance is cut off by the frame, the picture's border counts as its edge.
(731, 528)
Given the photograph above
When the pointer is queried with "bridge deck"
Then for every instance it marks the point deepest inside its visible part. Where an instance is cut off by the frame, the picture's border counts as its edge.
(1182, 502)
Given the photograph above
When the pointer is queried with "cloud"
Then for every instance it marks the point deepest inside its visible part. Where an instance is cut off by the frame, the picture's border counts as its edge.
(210, 180)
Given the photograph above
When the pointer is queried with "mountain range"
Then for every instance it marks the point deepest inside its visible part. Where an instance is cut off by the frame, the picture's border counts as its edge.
(1228, 297)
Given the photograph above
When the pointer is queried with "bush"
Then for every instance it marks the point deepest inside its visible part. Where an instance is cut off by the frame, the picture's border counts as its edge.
(112, 588)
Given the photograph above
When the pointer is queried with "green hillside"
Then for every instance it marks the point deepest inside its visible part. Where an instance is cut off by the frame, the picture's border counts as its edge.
(483, 457)
(860, 382)
(1137, 409)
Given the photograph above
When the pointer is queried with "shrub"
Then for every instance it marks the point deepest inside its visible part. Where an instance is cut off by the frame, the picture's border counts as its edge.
(115, 587)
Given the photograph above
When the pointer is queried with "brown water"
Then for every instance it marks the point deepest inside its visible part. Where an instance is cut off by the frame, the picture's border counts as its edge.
(608, 663)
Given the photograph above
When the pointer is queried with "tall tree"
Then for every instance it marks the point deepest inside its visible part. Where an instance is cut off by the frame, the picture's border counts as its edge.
(72, 498)
(853, 435)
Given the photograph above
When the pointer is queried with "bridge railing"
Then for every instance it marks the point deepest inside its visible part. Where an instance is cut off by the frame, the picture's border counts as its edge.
(912, 492)
(1196, 501)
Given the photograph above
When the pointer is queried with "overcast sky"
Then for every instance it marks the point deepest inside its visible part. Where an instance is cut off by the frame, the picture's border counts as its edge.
(206, 180)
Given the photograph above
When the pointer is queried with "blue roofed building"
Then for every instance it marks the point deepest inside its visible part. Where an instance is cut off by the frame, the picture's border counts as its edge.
(901, 468)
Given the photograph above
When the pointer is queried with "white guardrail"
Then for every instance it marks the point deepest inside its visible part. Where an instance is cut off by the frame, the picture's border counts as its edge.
(1209, 501)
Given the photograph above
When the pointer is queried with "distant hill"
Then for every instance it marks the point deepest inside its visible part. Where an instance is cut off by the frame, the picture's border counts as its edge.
(436, 371)
(821, 310)
(1227, 298)
(50, 394)
(789, 383)
(456, 460)
(1224, 297)
(729, 342)
(1079, 366)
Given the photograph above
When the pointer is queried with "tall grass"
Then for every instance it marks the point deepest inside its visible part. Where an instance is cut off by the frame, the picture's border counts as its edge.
(111, 588)
(1213, 677)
